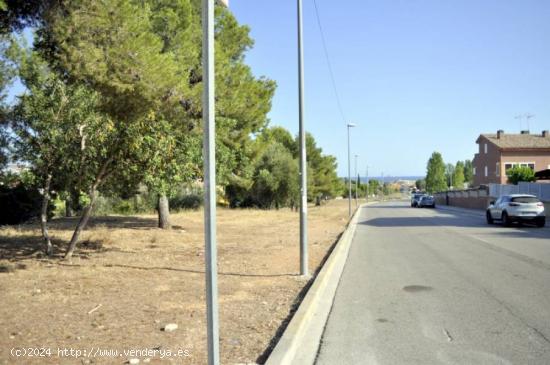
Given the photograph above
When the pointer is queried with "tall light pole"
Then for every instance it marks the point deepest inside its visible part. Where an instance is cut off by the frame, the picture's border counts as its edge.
(302, 137)
(350, 125)
(209, 150)
(367, 180)
(382, 185)
(356, 180)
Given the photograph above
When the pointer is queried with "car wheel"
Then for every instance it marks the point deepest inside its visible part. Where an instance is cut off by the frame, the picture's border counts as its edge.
(506, 220)
(541, 222)
(489, 218)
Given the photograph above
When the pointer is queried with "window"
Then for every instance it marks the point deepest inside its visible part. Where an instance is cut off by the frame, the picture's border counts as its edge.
(509, 165)
(485, 147)
(474, 171)
(486, 171)
(525, 199)
(497, 170)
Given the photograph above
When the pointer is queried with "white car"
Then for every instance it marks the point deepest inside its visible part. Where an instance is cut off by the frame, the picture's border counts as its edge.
(517, 208)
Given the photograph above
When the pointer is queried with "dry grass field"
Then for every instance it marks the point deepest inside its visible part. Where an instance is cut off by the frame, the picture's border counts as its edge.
(128, 279)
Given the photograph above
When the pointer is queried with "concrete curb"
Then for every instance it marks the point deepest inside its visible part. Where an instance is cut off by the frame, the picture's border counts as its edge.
(300, 341)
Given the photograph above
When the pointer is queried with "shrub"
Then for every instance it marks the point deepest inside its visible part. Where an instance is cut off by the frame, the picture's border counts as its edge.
(19, 203)
(187, 201)
(520, 173)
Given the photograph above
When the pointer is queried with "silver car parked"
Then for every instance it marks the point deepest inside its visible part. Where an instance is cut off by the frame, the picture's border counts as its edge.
(517, 208)
(426, 201)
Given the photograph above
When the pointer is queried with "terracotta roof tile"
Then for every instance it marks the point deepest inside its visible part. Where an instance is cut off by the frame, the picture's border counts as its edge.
(507, 141)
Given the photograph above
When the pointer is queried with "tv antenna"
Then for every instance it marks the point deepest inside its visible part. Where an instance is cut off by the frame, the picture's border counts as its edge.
(527, 117)
(520, 118)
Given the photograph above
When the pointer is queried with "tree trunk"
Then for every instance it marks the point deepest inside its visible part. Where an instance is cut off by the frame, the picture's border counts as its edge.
(48, 248)
(69, 212)
(88, 210)
(81, 224)
(164, 212)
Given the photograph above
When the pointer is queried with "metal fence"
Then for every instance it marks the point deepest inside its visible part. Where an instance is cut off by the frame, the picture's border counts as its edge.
(542, 191)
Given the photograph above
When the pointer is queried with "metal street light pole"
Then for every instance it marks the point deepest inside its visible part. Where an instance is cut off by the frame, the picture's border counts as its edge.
(350, 125)
(208, 115)
(382, 185)
(367, 181)
(356, 180)
(302, 137)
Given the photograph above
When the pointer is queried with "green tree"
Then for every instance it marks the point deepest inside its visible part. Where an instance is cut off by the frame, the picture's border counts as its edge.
(147, 69)
(449, 175)
(520, 173)
(105, 45)
(279, 135)
(243, 101)
(435, 176)
(420, 184)
(7, 72)
(468, 172)
(323, 181)
(276, 178)
(374, 186)
(15, 14)
(50, 121)
(458, 176)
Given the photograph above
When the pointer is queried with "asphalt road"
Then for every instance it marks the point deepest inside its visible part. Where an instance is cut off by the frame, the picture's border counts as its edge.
(426, 286)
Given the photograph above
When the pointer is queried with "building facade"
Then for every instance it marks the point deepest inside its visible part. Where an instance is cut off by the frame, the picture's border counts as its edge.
(499, 152)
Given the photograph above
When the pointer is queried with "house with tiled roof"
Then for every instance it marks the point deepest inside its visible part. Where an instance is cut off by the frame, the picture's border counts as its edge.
(502, 151)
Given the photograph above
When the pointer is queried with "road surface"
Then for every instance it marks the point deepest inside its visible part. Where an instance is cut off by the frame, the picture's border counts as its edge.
(425, 286)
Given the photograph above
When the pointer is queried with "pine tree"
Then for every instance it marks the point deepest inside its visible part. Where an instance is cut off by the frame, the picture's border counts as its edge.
(458, 176)
(435, 176)
(468, 172)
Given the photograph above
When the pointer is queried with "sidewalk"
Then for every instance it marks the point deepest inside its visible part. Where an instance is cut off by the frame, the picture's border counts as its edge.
(473, 212)
(300, 340)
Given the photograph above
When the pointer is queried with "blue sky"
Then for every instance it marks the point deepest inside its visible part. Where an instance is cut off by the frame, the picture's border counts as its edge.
(415, 75)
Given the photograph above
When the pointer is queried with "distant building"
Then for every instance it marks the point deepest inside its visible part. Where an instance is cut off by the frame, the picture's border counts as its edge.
(500, 152)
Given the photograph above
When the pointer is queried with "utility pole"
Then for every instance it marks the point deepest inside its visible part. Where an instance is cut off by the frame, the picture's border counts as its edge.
(350, 125)
(302, 137)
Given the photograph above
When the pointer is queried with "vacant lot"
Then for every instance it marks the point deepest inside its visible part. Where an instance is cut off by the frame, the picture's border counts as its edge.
(129, 279)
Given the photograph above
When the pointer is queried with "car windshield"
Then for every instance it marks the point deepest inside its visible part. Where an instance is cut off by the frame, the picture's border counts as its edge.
(525, 199)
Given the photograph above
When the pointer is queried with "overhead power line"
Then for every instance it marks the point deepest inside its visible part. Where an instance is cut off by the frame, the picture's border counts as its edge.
(337, 95)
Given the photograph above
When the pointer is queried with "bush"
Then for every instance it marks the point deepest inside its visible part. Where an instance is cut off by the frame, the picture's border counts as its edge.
(140, 203)
(146, 202)
(19, 203)
(520, 173)
(187, 197)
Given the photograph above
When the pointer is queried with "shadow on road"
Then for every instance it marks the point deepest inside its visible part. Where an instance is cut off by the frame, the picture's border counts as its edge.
(454, 219)
(419, 222)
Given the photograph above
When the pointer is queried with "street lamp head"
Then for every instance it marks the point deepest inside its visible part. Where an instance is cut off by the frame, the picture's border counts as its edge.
(351, 125)
(224, 3)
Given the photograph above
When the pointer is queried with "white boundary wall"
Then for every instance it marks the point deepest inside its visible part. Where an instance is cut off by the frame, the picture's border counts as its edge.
(542, 191)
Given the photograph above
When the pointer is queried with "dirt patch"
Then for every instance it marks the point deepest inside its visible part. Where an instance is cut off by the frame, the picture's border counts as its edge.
(129, 279)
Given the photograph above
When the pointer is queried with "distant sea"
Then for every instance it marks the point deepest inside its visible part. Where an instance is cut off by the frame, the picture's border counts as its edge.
(388, 179)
